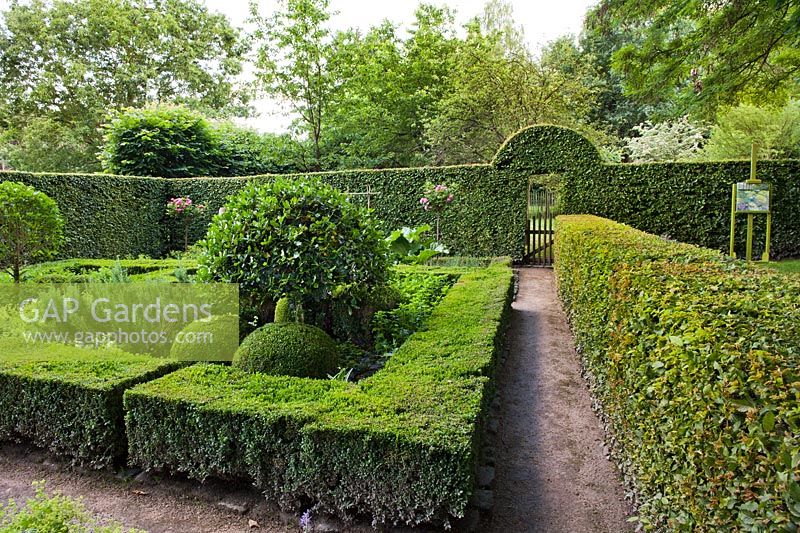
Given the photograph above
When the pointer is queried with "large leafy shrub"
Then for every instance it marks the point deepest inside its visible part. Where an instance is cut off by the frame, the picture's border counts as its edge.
(299, 239)
(288, 349)
(776, 130)
(168, 142)
(694, 360)
(31, 227)
(677, 140)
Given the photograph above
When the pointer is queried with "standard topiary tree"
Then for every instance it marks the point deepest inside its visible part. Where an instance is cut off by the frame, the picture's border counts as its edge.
(290, 349)
(31, 227)
(292, 238)
(165, 141)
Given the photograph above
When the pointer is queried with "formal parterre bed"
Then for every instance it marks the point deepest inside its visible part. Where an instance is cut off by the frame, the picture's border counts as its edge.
(399, 446)
(694, 359)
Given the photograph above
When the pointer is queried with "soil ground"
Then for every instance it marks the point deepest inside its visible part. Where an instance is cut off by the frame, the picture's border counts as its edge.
(552, 474)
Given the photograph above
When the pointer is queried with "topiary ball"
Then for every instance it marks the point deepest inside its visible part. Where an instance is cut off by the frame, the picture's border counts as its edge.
(192, 343)
(289, 349)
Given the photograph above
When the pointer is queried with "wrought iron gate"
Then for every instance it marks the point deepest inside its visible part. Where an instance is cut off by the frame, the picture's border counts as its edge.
(540, 227)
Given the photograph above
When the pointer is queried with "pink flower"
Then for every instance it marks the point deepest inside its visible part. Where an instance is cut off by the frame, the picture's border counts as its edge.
(424, 201)
(440, 188)
(449, 198)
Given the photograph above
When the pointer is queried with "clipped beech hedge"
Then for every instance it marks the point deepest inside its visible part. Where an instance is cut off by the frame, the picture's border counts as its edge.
(695, 362)
(400, 446)
(687, 201)
(71, 402)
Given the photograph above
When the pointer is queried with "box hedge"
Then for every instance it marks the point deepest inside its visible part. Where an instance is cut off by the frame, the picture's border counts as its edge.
(400, 446)
(688, 201)
(70, 400)
(694, 361)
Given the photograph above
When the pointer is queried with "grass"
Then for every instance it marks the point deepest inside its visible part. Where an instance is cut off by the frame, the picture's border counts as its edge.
(787, 266)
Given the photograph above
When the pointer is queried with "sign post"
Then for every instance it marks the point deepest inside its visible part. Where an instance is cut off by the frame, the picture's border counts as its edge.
(751, 197)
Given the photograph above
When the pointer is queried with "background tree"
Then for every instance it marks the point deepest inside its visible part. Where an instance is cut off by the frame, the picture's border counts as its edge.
(65, 64)
(294, 63)
(776, 130)
(677, 140)
(711, 53)
(499, 87)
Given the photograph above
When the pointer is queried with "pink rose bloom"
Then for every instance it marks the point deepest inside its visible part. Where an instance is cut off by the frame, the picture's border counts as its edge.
(424, 201)
(439, 188)
(450, 198)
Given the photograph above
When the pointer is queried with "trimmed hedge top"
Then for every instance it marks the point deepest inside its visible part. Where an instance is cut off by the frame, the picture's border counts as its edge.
(694, 360)
(546, 149)
(688, 201)
(400, 445)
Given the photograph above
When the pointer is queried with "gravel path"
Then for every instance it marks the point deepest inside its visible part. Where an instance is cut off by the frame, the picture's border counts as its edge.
(552, 473)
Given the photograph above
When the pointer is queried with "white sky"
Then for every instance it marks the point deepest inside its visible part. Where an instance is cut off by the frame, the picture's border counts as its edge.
(542, 21)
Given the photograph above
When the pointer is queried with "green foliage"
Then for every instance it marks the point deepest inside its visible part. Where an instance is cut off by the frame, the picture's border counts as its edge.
(688, 201)
(99, 212)
(400, 446)
(69, 400)
(67, 64)
(736, 51)
(31, 227)
(418, 295)
(44, 145)
(776, 131)
(169, 142)
(292, 238)
(282, 311)
(288, 349)
(412, 245)
(698, 387)
(106, 270)
(53, 513)
(224, 330)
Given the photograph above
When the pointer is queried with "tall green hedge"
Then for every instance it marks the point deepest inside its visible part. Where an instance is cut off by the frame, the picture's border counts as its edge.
(105, 216)
(400, 446)
(694, 360)
(108, 215)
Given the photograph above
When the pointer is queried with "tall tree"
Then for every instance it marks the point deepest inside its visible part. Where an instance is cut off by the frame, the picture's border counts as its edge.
(294, 62)
(712, 52)
(390, 89)
(65, 63)
(499, 87)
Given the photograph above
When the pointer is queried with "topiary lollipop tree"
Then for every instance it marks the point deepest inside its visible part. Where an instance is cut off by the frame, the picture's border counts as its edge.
(291, 238)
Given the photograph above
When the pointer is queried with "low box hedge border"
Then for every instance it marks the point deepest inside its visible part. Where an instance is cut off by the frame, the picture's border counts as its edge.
(70, 401)
(695, 360)
(400, 446)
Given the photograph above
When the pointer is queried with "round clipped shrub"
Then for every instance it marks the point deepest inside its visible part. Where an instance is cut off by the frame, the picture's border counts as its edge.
(288, 348)
(292, 238)
(31, 227)
(225, 331)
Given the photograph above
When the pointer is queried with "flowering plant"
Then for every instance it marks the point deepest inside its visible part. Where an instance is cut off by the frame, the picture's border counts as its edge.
(436, 198)
(185, 209)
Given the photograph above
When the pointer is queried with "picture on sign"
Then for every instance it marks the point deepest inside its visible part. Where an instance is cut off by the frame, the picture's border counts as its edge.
(752, 197)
